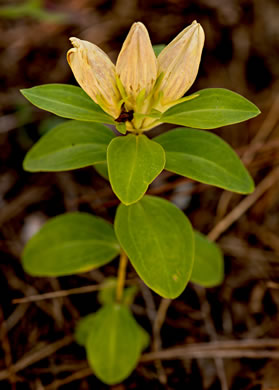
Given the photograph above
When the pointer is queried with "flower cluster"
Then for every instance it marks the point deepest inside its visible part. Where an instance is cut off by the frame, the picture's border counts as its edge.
(139, 83)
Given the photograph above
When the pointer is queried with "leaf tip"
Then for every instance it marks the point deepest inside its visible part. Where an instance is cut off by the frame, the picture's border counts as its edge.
(25, 164)
(128, 202)
(250, 187)
(23, 91)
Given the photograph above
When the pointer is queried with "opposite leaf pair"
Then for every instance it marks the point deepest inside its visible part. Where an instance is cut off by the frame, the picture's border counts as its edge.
(113, 341)
(155, 234)
(111, 336)
(135, 161)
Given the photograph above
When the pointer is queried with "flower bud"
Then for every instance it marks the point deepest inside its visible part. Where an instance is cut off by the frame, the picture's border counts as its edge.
(179, 63)
(95, 73)
(136, 65)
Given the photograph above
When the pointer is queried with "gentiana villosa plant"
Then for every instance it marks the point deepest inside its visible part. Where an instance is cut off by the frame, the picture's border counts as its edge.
(138, 93)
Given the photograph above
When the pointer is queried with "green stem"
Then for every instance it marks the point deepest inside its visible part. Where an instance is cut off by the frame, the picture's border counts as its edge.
(121, 276)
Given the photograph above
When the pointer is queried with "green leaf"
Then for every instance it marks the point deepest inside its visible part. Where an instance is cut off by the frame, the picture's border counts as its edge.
(102, 169)
(114, 343)
(33, 9)
(50, 17)
(121, 127)
(14, 11)
(107, 294)
(214, 107)
(205, 157)
(67, 101)
(133, 163)
(208, 270)
(85, 324)
(159, 242)
(158, 48)
(83, 328)
(129, 295)
(70, 145)
(145, 338)
(70, 243)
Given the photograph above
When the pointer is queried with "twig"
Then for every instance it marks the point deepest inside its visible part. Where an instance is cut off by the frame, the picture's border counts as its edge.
(71, 378)
(149, 302)
(271, 284)
(29, 196)
(263, 133)
(16, 316)
(58, 294)
(36, 356)
(157, 342)
(57, 304)
(6, 348)
(158, 323)
(65, 293)
(209, 325)
(223, 225)
(19, 284)
(263, 348)
(58, 369)
(39, 385)
(244, 205)
(254, 146)
(199, 353)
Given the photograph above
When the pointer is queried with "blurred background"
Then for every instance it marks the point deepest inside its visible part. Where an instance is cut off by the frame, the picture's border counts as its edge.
(37, 350)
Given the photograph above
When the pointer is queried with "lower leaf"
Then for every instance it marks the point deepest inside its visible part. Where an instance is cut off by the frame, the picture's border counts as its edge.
(158, 240)
(208, 269)
(114, 343)
(68, 244)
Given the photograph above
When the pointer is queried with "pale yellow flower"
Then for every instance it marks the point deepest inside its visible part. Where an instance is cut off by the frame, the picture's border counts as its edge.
(95, 73)
(136, 64)
(179, 63)
(139, 83)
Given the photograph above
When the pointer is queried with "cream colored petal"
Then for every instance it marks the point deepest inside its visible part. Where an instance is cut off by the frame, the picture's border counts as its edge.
(95, 73)
(179, 62)
(136, 65)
